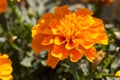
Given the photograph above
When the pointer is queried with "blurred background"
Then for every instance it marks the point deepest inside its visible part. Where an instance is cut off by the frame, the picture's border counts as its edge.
(15, 40)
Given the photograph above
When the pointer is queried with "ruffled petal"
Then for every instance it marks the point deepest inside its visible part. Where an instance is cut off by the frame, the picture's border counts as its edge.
(34, 30)
(52, 61)
(104, 39)
(5, 69)
(60, 52)
(37, 32)
(62, 11)
(48, 40)
(90, 54)
(44, 23)
(84, 12)
(75, 55)
(37, 47)
(102, 36)
(70, 45)
(6, 77)
(3, 5)
(45, 18)
(59, 40)
(85, 22)
(4, 56)
(5, 60)
(85, 42)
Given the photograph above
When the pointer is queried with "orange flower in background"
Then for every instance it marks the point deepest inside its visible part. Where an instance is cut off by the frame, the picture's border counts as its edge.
(105, 2)
(3, 5)
(5, 67)
(68, 34)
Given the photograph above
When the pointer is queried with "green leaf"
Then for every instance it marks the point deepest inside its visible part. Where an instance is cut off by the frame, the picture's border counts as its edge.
(26, 62)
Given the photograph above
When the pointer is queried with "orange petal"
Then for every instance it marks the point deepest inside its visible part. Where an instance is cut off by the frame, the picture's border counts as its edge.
(6, 77)
(85, 21)
(117, 74)
(34, 30)
(59, 40)
(98, 23)
(3, 5)
(61, 11)
(90, 54)
(93, 34)
(60, 52)
(75, 55)
(84, 12)
(99, 27)
(52, 61)
(4, 56)
(44, 22)
(37, 47)
(69, 45)
(44, 30)
(5, 69)
(85, 39)
(45, 18)
(103, 39)
(5, 60)
(37, 39)
(87, 44)
(48, 40)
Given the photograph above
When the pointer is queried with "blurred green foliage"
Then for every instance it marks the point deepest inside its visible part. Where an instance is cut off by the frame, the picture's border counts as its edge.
(15, 40)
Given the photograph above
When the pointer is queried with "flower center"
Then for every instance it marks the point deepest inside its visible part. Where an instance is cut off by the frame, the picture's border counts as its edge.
(69, 26)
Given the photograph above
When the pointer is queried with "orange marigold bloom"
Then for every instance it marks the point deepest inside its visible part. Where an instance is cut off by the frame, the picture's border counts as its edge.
(5, 67)
(65, 33)
(105, 2)
(3, 5)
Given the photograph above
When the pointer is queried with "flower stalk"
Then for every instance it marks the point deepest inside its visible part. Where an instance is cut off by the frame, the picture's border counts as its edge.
(73, 69)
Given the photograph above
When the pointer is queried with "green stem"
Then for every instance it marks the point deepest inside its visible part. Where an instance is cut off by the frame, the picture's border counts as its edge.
(73, 69)
(75, 75)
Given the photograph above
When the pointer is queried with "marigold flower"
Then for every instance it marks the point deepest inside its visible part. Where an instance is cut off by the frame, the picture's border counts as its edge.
(5, 67)
(3, 5)
(65, 33)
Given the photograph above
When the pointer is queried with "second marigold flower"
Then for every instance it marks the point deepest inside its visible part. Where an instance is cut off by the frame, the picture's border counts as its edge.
(68, 34)
(5, 67)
